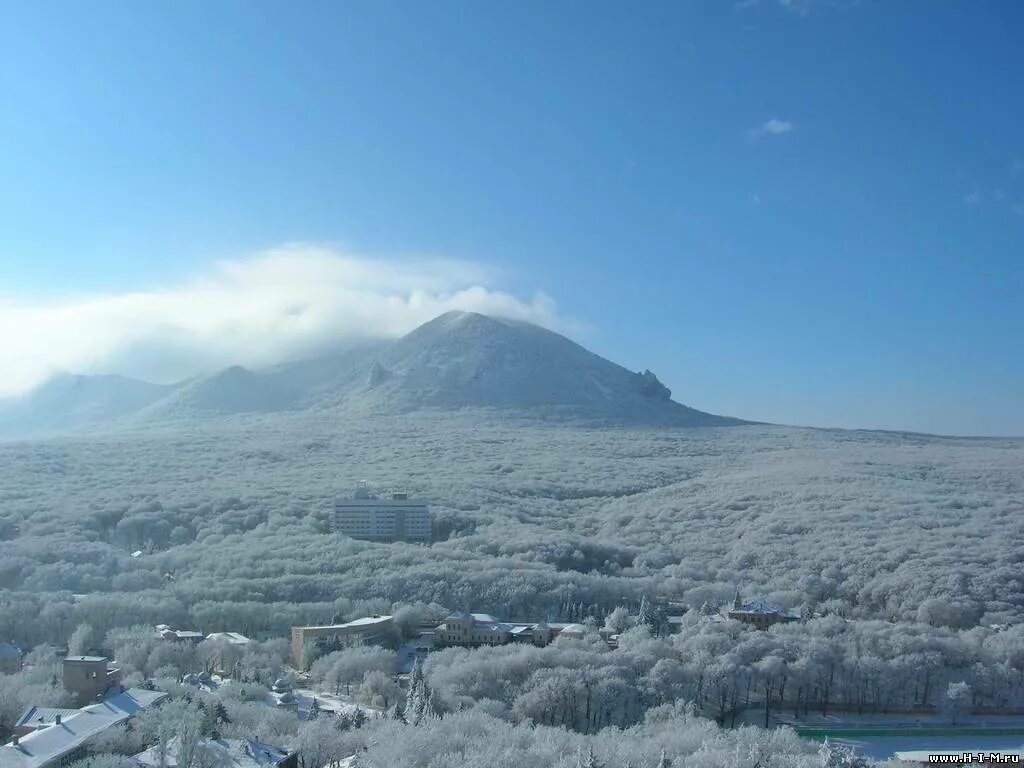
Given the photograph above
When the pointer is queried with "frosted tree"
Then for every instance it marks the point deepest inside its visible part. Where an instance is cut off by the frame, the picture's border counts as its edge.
(617, 621)
(645, 614)
(319, 744)
(771, 670)
(590, 761)
(658, 620)
(81, 640)
(957, 700)
(343, 668)
(378, 689)
(175, 726)
(837, 756)
(664, 761)
(418, 700)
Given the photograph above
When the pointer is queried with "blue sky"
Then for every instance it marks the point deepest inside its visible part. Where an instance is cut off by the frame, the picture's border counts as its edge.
(808, 213)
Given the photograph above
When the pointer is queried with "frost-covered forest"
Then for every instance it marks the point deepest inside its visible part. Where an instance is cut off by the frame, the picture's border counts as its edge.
(901, 551)
(534, 519)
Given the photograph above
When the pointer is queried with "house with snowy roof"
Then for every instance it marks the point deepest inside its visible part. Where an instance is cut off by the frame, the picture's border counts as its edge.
(226, 753)
(164, 632)
(228, 649)
(34, 718)
(759, 613)
(65, 738)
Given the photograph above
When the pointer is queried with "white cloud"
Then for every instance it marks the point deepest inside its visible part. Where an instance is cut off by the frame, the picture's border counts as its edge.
(288, 303)
(973, 198)
(773, 127)
(801, 7)
(777, 126)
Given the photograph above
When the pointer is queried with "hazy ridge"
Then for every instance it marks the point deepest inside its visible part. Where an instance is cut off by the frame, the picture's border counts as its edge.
(457, 360)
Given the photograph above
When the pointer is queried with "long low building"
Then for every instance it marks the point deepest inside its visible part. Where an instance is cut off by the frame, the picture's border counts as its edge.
(472, 629)
(65, 738)
(366, 630)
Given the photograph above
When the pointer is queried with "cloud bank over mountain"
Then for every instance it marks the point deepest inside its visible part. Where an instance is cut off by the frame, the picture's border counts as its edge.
(284, 304)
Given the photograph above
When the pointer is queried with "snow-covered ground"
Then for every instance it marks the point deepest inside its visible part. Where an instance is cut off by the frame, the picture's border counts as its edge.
(328, 702)
(883, 747)
(892, 728)
(902, 720)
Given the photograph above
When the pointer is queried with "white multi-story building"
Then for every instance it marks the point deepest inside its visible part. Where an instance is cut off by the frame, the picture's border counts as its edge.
(398, 518)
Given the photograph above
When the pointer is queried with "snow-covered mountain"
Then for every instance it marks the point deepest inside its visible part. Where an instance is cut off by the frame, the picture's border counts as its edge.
(465, 359)
(287, 387)
(68, 402)
(457, 360)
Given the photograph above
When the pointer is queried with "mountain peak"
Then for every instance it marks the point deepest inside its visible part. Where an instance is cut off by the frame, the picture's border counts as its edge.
(457, 360)
(461, 321)
(467, 359)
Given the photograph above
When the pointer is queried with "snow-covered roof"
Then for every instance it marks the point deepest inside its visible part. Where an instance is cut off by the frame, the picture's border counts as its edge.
(36, 717)
(6, 649)
(366, 621)
(178, 634)
(484, 618)
(236, 753)
(759, 606)
(47, 746)
(234, 638)
(573, 629)
(343, 504)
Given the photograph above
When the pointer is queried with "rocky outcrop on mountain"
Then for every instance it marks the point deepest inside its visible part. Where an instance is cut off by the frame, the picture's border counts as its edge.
(652, 388)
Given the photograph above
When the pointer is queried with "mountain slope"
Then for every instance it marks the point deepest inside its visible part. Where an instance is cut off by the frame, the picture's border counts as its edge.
(464, 359)
(68, 402)
(457, 360)
(286, 387)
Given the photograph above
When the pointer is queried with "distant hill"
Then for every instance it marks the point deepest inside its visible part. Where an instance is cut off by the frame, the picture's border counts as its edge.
(69, 402)
(286, 387)
(457, 360)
